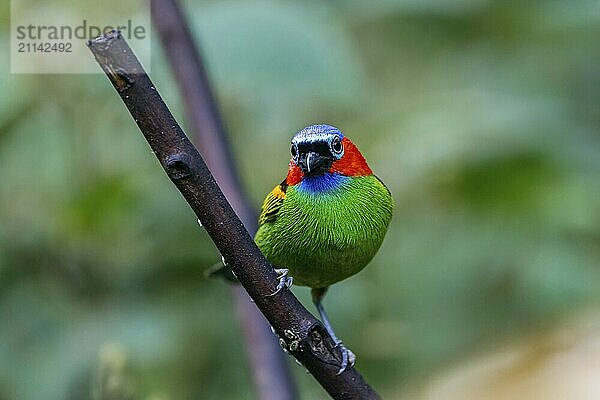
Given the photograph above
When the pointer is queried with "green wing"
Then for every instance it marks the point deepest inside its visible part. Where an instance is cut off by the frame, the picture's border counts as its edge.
(272, 204)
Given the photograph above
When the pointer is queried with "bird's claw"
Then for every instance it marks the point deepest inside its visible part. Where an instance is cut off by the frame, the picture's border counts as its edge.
(285, 281)
(348, 357)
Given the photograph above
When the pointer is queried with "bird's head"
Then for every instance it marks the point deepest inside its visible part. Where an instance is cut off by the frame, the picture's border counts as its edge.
(319, 150)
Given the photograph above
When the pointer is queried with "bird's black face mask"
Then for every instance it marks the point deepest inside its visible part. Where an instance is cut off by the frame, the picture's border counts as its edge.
(313, 158)
(316, 155)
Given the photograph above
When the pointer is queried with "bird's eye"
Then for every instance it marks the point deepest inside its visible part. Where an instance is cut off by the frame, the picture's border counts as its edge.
(336, 146)
(294, 151)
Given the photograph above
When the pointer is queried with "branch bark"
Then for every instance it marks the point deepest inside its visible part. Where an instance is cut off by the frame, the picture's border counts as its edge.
(301, 333)
(269, 367)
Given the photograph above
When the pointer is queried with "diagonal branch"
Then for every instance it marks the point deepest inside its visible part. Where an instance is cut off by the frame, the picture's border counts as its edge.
(302, 334)
(270, 370)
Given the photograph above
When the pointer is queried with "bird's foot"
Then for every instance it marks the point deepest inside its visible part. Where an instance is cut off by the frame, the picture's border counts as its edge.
(285, 281)
(348, 357)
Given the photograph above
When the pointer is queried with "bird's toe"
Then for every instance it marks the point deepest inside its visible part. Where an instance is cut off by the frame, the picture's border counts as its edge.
(348, 358)
(284, 281)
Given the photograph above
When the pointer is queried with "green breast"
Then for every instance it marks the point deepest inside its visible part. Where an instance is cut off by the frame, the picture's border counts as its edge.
(326, 237)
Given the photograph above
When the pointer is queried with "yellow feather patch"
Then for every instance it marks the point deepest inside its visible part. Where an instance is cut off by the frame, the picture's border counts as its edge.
(277, 192)
(272, 205)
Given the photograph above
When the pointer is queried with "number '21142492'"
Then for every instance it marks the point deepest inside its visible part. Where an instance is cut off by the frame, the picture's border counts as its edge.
(44, 47)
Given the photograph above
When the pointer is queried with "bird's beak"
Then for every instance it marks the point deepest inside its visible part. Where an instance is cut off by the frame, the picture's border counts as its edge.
(312, 163)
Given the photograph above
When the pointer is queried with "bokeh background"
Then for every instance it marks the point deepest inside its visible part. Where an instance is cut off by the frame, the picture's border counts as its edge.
(482, 117)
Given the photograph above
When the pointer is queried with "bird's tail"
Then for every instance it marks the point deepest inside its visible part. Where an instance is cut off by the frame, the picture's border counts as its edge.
(221, 271)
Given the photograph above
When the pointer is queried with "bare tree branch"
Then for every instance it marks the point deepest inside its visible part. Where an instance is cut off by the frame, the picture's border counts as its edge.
(269, 368)
(301, 333)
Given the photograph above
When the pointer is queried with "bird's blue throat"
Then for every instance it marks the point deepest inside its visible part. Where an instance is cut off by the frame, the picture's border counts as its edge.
(322, 183)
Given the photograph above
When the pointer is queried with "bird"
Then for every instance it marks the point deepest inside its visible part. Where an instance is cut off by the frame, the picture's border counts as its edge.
(326, 220)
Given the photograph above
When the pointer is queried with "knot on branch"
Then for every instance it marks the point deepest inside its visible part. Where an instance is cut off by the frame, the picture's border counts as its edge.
(322, 346)
(293, 342)
(120, 77)
(178, 166)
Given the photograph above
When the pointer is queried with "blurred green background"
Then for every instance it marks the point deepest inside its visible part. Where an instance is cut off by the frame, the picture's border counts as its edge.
(482, 117)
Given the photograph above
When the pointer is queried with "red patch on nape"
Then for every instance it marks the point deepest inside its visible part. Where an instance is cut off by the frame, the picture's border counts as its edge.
(352, 162)
(294, 175)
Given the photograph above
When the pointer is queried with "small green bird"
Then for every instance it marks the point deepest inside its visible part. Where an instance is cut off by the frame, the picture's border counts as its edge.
(327, 219)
